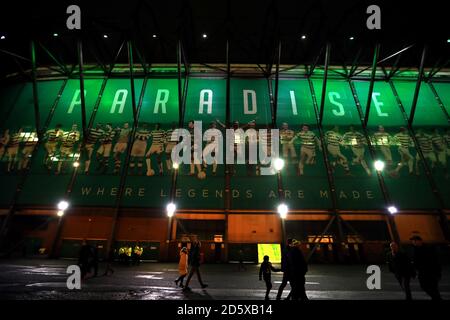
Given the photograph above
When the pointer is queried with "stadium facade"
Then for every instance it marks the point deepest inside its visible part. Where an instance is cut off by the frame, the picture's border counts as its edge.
(105, 154)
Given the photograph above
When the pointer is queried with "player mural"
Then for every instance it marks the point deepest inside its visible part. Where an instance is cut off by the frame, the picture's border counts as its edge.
(309, 142)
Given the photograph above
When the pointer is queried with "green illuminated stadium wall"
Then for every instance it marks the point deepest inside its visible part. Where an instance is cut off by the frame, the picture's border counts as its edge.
(357, 191)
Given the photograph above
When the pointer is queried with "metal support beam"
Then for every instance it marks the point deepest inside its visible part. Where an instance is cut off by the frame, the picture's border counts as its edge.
(82, 95)
(387, 199)
(331, 184)
(180, 93)
(275, 95)
(418, 84)
(372, 81)
(443, 221)
(438, 99)
(64, 69)
(37, 116)
(53, 251)
(324, 83)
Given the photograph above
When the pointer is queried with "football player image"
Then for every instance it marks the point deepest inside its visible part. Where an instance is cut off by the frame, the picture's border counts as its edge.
(67, 148)
(382, 140)
(211, 145)
(4, 140)
(308, 141)
(12, 149)
(93, 137)
(447, 141)
(52, 138)
(404, 142)
(29, 140)
(121, 145)
(238, 141)
(357, 141)
(169, 145)
(194, 156)
(266, 145)
(426, 146)
(157, 146)
(334, 141)
(440, 146)
(104, 151)
(139, 148)
(287, 138)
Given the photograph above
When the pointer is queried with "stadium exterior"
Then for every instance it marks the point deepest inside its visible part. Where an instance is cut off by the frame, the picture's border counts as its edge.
(337, 200)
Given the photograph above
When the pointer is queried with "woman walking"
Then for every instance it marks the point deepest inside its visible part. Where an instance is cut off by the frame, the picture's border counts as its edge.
(182, 266)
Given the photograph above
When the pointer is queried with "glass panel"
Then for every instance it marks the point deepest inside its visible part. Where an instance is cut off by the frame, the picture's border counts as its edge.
(104, 152)
(20, 122)
(202, 186)
(149, 166)
(304, 177)
(53, 163)
(357, 186)
(393, 145)
(250, 102)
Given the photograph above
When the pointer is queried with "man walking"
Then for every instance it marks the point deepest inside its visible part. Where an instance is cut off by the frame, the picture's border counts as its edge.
(194, 262)
(297, 269)
(401, 266)
(427, 266)
(284, 269)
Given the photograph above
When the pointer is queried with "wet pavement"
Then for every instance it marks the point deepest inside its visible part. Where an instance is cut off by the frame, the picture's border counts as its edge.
(41, 279)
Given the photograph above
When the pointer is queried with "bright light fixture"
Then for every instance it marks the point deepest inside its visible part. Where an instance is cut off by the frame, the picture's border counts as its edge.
(283, 210)
(171, 207)
(60, 213)
(392, 210)
(63, 205)
(278, 164)
(379, 165)
(105, 36)
(204, 36)
(352, 38)
(76, 164)
(303, 37)
(2, 38)
(175, 165)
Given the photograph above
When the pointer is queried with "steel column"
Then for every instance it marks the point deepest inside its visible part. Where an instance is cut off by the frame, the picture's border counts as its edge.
(372, 81)
(324, 83)
(332, 187)
(82, 96)
(418, 84)
(387, 199)
(442, 216)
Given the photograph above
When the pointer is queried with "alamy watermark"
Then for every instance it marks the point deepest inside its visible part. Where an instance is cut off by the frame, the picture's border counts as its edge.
(241, 147)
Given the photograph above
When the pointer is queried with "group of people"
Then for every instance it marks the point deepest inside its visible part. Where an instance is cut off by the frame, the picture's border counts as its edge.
(424, 264)
(131, 255)
(189, 264)
(294, 267)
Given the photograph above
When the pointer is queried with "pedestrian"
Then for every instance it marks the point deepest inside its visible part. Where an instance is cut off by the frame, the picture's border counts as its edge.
(284, 267)
(84, 258)
(428, 268)
(182, 266)
(94, 260)
(109, 261)
(241, 260)
(401, 266)
(297, 269)
(265, 272)
(194, 262)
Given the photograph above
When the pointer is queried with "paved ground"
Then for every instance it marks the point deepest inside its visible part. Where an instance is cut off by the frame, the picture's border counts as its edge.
(46, 279)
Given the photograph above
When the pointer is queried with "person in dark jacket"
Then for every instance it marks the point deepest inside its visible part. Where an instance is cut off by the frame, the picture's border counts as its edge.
(265, 272)
(428, 268)
(401, 266)
(194, 262)
(84, 258)
(284, 267)
(109, 262)
(297, 269)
